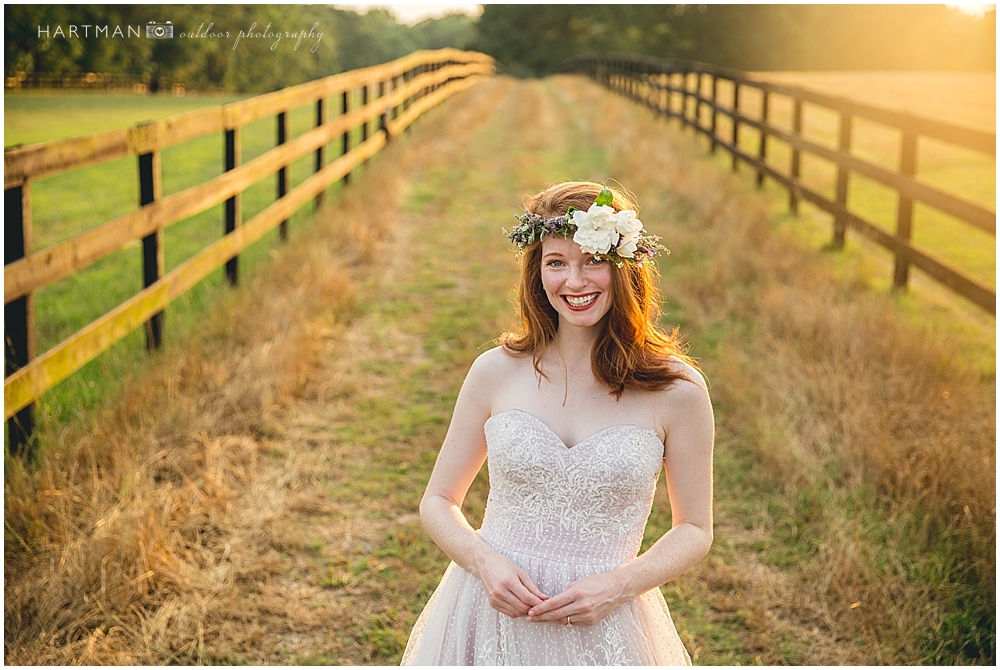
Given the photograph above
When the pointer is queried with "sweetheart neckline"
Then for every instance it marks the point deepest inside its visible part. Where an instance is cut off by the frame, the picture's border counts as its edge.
(648, 431)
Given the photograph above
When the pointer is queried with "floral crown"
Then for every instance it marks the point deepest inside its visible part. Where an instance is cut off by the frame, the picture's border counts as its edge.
(610, 235)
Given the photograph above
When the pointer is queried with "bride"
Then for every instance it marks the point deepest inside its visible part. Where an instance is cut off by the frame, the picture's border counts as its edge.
(577, 413)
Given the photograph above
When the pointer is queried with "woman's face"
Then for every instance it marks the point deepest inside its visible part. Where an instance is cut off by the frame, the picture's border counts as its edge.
(577, 284)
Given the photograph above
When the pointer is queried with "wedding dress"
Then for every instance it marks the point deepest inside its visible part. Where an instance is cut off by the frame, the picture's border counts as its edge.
(561, 513)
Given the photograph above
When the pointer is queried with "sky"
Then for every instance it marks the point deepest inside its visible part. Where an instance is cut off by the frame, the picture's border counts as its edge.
(413, 13)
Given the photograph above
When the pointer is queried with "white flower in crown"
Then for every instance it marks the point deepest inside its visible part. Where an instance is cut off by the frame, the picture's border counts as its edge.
(601, 231)
(630, 230)
(596, 231)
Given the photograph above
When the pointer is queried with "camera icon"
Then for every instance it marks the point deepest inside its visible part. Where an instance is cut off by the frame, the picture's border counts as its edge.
(159, 31)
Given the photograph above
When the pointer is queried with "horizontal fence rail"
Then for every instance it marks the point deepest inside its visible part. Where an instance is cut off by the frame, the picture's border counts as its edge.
(393, 96)
(654, 82)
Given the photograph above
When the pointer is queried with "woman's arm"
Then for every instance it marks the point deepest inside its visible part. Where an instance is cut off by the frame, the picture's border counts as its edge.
(509, 588)
(688, 463)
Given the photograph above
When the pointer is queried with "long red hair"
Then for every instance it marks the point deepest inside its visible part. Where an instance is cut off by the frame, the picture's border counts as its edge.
(631, 351)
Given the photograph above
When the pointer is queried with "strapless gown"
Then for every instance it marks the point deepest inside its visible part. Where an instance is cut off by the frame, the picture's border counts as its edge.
(561, 514)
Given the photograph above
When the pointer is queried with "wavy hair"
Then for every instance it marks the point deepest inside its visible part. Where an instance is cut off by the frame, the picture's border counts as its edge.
(631, 351)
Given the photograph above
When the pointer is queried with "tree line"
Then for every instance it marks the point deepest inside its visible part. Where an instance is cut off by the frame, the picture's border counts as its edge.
(239, 48)
(289, 44)
(536, 39)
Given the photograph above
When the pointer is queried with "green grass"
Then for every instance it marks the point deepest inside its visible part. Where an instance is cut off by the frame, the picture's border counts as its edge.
(448, 301)
(67, 204)
(962, 172)
(40, 116)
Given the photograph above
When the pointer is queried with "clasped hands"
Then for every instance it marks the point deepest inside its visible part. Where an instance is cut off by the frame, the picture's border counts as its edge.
(584, 602)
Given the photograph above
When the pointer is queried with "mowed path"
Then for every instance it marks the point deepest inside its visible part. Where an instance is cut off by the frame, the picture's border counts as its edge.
(298, 450)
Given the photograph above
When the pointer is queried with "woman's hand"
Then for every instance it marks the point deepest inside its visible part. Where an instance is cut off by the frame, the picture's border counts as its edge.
(508, 586)
(584, 602)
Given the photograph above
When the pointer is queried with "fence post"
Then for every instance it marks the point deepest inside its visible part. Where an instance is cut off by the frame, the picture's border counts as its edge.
(381, 94)
(793, 192)
(697, 103)
(232, 204)
(19, 315)
(670, 95)
(364, 103)
(398, 109)
(844, 144)
(320, 121)
(685, 94)
(152, 245)
(661, 95)
(282, 171)
(406, 101)
(736, 124)
(389, 110)
(762, 150)
(407, 77)
(345, 106)
(715, 112)
(904, 215)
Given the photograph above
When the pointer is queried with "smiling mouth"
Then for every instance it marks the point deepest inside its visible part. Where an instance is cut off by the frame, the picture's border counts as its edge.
(580, 302)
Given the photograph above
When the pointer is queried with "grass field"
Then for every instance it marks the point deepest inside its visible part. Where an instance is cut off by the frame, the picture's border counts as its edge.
(967, 99)
(963, 98)
(251, 497)
(69, 203)
(66, 204)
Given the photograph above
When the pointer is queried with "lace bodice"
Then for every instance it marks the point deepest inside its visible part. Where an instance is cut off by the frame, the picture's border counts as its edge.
(586, 504)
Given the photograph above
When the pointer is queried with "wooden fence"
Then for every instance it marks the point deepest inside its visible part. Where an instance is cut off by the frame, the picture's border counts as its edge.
(657, 83)
(392, 96)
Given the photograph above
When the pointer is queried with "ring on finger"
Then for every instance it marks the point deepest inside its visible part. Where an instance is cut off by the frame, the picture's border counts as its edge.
(568, 622)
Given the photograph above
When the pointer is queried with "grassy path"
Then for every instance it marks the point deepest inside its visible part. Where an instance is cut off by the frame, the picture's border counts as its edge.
(273, 489)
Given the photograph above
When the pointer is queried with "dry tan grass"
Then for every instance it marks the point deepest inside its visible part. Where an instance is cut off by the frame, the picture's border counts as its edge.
(159, 508)
(176, 526)
(222, 514)
(832, 395)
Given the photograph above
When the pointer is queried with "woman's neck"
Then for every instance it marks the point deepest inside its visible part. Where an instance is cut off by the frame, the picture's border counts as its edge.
(575, 344)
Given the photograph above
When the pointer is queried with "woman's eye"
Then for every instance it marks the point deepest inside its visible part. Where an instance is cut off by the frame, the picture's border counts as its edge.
(596, 261)
(555, 264)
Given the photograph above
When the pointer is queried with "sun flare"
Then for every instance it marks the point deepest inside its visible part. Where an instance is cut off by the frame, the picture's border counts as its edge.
(972, 8)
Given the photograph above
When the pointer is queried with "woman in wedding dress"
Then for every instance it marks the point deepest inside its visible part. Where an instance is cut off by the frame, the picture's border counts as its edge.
(576, 412)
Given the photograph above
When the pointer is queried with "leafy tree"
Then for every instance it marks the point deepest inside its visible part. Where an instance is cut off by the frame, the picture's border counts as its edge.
(535, 39)
(350, 40)
(451, 30)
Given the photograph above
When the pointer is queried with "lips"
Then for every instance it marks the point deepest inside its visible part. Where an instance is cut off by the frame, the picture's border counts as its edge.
(580, 302)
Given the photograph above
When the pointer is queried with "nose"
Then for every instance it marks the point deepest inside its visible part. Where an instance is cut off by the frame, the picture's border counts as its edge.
(576, 278)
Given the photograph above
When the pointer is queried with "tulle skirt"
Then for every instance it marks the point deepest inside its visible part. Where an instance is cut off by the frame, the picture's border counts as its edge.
(459, 627)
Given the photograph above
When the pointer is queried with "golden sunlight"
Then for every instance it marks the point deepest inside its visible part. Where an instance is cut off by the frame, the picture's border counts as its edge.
(972, 8)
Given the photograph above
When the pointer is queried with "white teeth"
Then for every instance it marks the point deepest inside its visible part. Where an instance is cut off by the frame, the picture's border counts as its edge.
(581, 302)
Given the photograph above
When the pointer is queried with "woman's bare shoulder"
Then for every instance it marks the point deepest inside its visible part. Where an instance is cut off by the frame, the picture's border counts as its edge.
(695, 380)
(685, 397)
(684, 408)
(495, 365)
